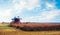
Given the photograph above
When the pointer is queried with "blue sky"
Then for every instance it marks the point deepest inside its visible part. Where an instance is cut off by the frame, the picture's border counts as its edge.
(30, 10)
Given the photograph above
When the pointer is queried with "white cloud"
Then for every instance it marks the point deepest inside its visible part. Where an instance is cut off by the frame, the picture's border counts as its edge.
(19, 5)
(50, 14)
(31, 4)
(5, 15)
(48, 5)
(6, 12)
(25, 4)
(45, 16)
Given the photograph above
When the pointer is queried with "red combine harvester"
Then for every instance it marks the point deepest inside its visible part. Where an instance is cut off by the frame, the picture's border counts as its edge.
(34, 26)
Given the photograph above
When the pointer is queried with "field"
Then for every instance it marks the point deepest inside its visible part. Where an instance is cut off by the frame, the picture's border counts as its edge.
(5, 30)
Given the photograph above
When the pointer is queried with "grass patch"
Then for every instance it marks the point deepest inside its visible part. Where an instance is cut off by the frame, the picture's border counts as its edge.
(4, 25)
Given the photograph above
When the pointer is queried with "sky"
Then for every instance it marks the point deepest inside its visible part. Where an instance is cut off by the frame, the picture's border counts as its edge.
(30, 10)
